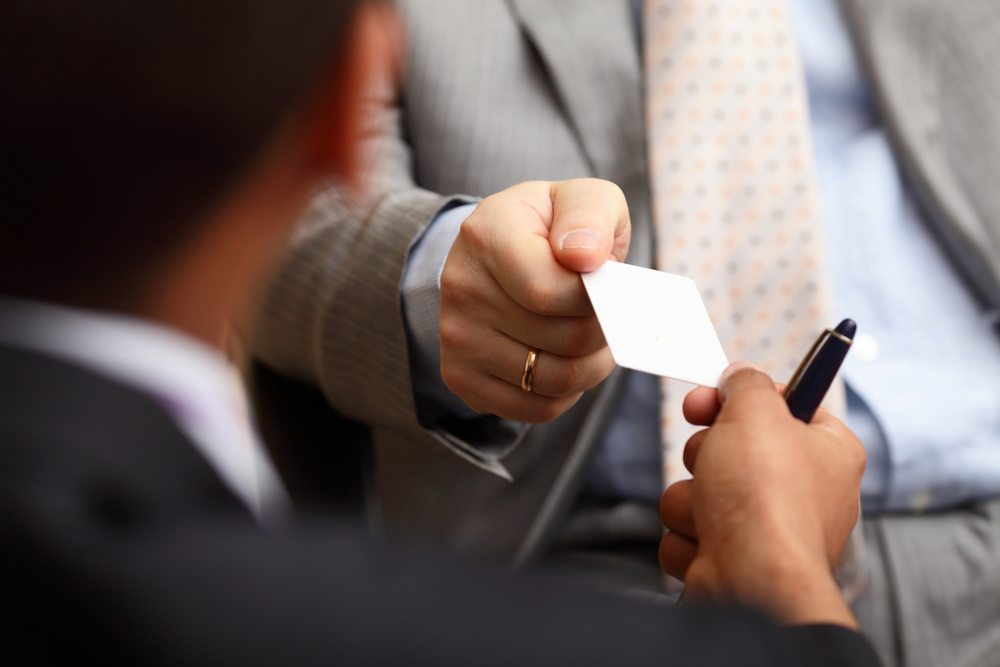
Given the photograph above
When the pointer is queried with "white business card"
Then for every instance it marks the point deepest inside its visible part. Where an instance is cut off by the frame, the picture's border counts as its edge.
(656, 322)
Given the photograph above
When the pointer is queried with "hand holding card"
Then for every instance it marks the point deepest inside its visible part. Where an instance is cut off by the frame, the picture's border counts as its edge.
(656, 322)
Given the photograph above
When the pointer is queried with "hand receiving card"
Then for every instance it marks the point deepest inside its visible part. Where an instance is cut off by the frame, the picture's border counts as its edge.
(656, 322)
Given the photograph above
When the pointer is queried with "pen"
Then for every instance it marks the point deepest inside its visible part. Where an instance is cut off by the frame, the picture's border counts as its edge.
(813, 377)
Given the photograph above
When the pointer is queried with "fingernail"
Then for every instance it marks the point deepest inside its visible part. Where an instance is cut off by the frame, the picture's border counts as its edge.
(582, 239)
(736, 366)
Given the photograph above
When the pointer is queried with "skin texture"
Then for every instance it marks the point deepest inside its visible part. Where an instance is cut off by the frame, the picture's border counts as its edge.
(511, 281)
(771, 504)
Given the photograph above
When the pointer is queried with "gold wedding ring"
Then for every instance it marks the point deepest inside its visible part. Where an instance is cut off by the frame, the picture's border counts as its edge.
(529, 369)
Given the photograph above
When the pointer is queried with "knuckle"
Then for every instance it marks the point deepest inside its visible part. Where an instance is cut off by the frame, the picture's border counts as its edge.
(452, 378)
(475, 231)
(756, 398)
(567, 377)
(456, 286)
(861, 459)
(451, 333)
(548, 409)
(471, 394)
(541, 296)
(579, 336)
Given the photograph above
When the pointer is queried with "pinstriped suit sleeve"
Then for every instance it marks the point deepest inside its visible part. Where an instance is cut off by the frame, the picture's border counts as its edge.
(331, 314)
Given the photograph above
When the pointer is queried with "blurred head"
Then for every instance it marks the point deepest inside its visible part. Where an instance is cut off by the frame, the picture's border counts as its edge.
(127, 127)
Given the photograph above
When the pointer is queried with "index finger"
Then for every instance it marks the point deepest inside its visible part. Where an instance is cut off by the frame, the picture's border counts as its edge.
(745, 380)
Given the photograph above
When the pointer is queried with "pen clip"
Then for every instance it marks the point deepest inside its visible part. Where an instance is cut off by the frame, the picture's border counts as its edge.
(806, 360)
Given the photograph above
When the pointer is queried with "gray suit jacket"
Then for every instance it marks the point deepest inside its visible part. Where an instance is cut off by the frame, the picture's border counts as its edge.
(496, 92)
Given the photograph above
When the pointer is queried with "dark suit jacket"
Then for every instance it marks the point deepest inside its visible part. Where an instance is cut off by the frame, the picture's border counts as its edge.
(120, 543)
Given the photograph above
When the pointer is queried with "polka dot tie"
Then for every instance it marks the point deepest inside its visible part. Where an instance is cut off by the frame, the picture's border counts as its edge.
(734, 202)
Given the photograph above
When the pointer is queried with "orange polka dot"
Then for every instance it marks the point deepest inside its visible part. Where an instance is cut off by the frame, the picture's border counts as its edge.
(813, 311)
(671, 139)
(747, 165)
(726, 191)
(770, 140)
(781, 238)
(735, 293)
(784, 64)
(764, 89)
(791, 340)
(786, 288)
(721, 139)
(797, 164)
(703, 216)
(694, 114)
(730, 241)
(758, 265)
(691, 62)
(752, 215)
(769, 367)
(718, 88)
(676, 190)
(739, 64)
(775, 14)
(758, 39)
(668, 88)
(805, 212)
(698, 165)
(706, 267)
(791, 115)
(743, 114)
(715, 36)
(688, 8)
(763, 316)
(739, 344)
(680, 242)
(809, 261)
(775, 190)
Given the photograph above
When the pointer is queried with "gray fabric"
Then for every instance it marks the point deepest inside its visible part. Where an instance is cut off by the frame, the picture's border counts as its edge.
(529, 98)
(934, 68)
(934, 593)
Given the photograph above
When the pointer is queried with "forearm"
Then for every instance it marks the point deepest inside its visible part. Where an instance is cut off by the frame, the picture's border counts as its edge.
(331, 314)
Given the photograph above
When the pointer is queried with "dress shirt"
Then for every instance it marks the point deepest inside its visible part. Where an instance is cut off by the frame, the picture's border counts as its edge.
(923, 389)
(189, 379)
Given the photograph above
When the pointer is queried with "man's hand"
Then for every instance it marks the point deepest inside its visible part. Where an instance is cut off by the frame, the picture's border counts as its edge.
(771, 505)
(511, 282)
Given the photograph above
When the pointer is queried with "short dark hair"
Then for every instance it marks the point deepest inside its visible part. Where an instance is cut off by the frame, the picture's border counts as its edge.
(123, 122)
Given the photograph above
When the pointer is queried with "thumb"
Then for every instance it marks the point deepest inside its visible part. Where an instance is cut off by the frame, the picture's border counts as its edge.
(742, 377)
(590, 223)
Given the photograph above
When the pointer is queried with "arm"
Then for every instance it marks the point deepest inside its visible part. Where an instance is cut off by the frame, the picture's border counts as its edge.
(770, 507)
(331, 314)
(494, 295)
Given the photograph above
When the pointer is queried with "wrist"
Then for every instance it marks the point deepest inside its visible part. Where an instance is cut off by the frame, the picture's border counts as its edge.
(794, 586)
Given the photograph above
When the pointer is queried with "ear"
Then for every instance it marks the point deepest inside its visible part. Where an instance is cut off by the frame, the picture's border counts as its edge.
(334, 126)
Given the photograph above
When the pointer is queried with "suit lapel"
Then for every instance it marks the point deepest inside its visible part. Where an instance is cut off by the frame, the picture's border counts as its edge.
(933, 67)
(101, 442)
(591, 54)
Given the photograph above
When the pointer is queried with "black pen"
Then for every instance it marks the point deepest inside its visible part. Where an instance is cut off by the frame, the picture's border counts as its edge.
(813, 377)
